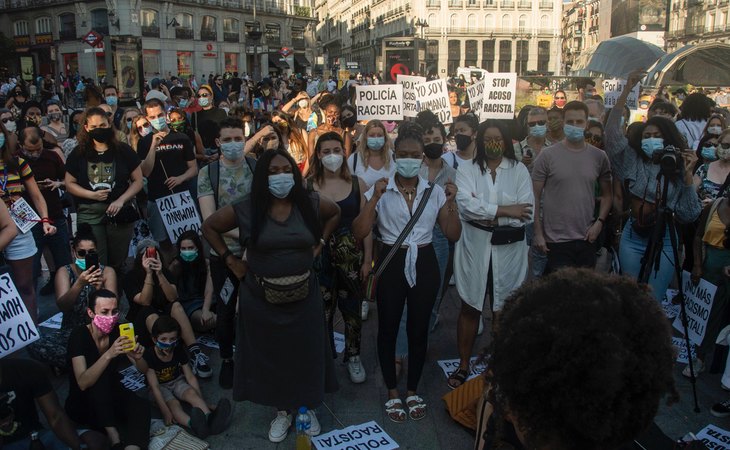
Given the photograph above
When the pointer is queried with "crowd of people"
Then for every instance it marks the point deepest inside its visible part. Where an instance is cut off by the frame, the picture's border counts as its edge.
(306, 209)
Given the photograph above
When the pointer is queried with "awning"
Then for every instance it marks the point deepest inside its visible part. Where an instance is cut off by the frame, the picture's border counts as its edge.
(301, 60)
(275, 61)
(706, 64)
(616, 57)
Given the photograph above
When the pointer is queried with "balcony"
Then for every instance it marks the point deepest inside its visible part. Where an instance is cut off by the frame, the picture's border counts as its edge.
(490, 4)
(507, 4)
(298, 43)
(150, 31)
(24, 4)
(231, 37)
(67, 35)
(472, 4)
(208, 35)
(273, 40)
(183, 33)
(456, 3)
(101, 29)
(302, 11)
(546, 5)
(524, 4)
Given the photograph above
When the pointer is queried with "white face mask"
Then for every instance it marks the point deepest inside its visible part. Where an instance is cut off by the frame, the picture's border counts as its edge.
(333, 161)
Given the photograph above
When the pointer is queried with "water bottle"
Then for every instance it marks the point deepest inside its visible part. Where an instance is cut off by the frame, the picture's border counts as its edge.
(304, 441)
(35, 442)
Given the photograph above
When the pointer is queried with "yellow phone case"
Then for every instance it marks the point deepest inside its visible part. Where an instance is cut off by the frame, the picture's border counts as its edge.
(127, 329)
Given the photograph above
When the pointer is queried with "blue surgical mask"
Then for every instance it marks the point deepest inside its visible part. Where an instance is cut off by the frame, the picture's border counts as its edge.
(573, 133)
(714, 130)
(203, 102)
(709, 153)
(376, 143)
(159, 124)
(166, 345)
(538, 131)
(408, 167)
(188, 255)
(111, 100)
(145, 131)
(281, 184)
(651, 145)
(81, 263)
(233, 150)
(2, 139)
(183, 102)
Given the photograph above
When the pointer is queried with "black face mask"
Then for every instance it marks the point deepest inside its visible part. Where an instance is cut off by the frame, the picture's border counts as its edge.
(433, 150)
(349, 122)
(462, 141)
(102, 135)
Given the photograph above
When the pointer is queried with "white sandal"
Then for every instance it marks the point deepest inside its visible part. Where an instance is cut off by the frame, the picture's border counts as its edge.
(394, 410)
(418, 410)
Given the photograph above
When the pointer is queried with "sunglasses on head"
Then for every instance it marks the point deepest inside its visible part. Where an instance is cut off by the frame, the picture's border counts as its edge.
(537, 122)
(82, 253)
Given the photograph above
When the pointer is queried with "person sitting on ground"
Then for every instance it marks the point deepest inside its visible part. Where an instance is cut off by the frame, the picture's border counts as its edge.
(193, 281)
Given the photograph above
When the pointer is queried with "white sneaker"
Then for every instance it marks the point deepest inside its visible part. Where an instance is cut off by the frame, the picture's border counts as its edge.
(365, 309)
(280, 426)
(481, 327)
(356, 370)
(314, 427)
(698, 367)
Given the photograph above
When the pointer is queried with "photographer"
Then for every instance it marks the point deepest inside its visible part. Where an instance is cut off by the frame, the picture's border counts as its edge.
(636, 162)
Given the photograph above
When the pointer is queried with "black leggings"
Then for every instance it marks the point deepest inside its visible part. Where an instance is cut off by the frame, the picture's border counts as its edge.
(392, 295)
(225, 326)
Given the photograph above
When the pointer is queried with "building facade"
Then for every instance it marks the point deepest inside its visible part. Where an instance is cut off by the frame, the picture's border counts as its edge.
(697, 21)
(520, 36)
(581, 30)
(180, 37)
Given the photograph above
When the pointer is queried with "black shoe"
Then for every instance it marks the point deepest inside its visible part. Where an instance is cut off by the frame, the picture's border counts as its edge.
(199, 423)
(221, 417)
(225, 378)
(49, 287)
(721, 409)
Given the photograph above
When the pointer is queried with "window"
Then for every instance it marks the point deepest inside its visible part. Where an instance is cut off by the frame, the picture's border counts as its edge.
(67, 26)
(273, 34)
(454, 56)
(185, 30)
(207, 29)
(488, 55)
(543, 56)
(489, 22)
(297, 38)
(43, 25)
(471, 22)
(544, 22)
(470, 53)
(505, 56)
(253, 26)
(21, 28)
(100, 21)
(149, 23)
(522, 23)
(433, 20)
(523, 54)
(230, 30)
(506, 22)
(454, 22)
(432, 50)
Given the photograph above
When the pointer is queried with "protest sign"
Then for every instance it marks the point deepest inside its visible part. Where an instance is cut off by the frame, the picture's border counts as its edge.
(449, 366)
(179, 214)
(53, 322)
(500, 91)
(409, 93)
(714, 437)
(681, 345)
(16, 326)
(24, 215)
(382, 102)
(670, 309)
(475, 92)
(208, 341)
(544, 100)
(434, 96)
(612, 90)
(227, 290)
(698, 301)
(366, 436)
(132, 379)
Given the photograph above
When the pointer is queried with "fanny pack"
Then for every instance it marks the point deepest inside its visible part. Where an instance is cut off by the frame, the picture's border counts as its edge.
(501, 234)
(288, 289)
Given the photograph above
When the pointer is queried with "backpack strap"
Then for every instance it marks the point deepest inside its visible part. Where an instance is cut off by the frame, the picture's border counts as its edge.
(354, 163)
(356, 188)
(214, 175)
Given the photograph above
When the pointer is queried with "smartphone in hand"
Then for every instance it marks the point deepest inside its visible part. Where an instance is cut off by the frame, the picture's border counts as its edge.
(127, 330)
(92, 260)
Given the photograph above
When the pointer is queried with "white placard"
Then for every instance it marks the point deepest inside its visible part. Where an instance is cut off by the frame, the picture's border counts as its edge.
(227, 291)
(410, 106)
(208, 341)
(698, 300)
(670, 309)
(132, 379)
(24, 215)
(714, 437)
(681, 345)
(53, 322)
(382, 102)
(339, 342)
(366, 436)
(449, 366)
(16, 326)
(179, 214)
(500, 92)
(612, 90)
(475, 92)
(434, 96)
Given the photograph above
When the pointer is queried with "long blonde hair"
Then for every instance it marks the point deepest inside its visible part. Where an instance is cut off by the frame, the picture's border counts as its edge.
(365, 152)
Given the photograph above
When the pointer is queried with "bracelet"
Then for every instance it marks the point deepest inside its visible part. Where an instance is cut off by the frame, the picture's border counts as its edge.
(46, 220)
(149, 282)
(226, 254)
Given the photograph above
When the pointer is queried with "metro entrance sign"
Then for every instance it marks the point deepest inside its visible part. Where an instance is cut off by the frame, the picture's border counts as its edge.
(93, 38)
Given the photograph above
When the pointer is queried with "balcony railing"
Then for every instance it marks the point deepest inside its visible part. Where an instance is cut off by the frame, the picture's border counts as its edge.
(208, 35)
(273, 40)
(485, 32)
(507, 4)
(302, 11)
(150, 31)
(523, 4)
(298, 43)
(433, 3)
(183, 33)
(490, 4)
(546, 5)
(456, 3)
(231, 37)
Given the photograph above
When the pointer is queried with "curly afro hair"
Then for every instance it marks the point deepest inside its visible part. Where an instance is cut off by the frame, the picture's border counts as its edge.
(582, 360)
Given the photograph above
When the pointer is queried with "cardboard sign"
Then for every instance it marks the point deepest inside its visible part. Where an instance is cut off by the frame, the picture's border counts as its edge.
(208, 341)
(449, 366)
(227, 291)
(698, 301)
(382, 102)
(361, 437)
(16, 326)
(53, 322)
(670, 309)
(179, 214)
(132, 379)
(410, 104)
(500, 93)
(714, 437)
(24, 215)
(339, 342)
(545, 101)
(434, 96)
(475, 92)
(681, 345)
(612, 90)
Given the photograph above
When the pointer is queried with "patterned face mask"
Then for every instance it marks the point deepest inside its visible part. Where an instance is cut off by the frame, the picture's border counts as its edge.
(177, 125)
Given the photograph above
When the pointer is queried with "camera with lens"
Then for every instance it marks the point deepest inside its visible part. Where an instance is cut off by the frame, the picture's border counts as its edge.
(670, 161)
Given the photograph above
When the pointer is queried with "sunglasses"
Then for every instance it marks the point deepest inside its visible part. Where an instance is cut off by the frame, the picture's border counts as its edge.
(598, 137)
(267, 139)
(537, 122)
(725, 145)
(140, 128)
(559, 98)
(109, 114)
(82, 253)
(6, 120)
(203, 95)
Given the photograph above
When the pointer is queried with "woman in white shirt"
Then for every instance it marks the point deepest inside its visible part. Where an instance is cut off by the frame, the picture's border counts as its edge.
(495, 198)
(412, 275)
(373, 158)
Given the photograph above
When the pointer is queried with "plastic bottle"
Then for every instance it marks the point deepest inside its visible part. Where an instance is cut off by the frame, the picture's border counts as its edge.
(304, 441)
(35, 442)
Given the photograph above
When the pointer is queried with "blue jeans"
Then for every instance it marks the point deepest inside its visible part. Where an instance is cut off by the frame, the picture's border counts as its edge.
(538, 259)
(56, 243)
(49, 440)
(631, 252)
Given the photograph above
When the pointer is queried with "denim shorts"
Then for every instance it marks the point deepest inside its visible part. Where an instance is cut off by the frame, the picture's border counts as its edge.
(21, 247)
(174, 389)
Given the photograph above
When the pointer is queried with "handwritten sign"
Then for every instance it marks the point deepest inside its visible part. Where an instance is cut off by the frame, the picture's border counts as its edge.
(16, 326)
(500, 91)
(179, 214)
(714, 437)
(382, 102)
(681, 345)
(410, 105)
(208, 341)
(434, 96)
(132, 379)
(475, 92)
(449, 366)
(24, 215)
(670, 309)
(367, 436)
(698, 301)
(612, 91)
(53, 322)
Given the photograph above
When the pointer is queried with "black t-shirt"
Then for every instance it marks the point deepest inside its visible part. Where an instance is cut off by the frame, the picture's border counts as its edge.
(110, 170)
(236, 85)
(171, 160)
(167, 371)
(48, 165)
(133, 284)
(21, 382)
(207, 123)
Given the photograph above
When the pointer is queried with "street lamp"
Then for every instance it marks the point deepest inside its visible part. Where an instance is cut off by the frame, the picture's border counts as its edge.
(255, 36)
(421, 23)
